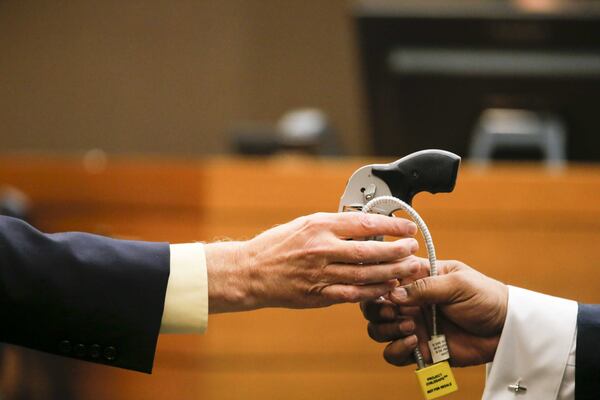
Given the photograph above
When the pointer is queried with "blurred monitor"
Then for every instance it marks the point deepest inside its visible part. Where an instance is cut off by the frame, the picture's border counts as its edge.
(432, 67)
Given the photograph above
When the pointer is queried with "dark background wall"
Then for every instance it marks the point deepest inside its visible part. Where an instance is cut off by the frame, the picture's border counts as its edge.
(164, 76)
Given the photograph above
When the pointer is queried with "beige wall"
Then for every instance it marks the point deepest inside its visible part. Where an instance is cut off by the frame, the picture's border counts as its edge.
(170, 76)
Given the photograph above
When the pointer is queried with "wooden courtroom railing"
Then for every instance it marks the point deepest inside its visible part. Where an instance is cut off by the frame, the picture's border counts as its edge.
(520, 224)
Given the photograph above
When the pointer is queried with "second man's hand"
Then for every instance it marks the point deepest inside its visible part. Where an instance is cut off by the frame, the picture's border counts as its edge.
(309, 262)
(472, 310)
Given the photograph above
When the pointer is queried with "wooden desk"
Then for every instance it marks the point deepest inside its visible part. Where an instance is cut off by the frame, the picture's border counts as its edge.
(520, 224)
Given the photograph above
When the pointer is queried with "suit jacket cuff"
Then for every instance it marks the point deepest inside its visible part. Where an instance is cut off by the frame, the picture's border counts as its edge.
(587, 373)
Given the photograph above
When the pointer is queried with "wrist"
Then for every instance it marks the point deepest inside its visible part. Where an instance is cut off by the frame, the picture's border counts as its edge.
(229, 278)
(503, 307)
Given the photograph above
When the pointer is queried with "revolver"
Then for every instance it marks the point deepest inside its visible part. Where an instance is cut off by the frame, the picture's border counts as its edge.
(431, 171)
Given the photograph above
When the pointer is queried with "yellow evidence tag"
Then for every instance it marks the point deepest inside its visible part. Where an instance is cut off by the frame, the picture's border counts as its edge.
(436, 380)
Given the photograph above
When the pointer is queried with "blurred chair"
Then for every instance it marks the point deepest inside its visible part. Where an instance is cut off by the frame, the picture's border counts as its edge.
(519, 130)
(305, 130)
(430, 68)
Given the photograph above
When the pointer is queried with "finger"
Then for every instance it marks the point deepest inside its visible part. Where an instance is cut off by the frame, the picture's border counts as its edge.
(379, 311)
(365, 274)
(444, 267)
(371, 251)
(423, 263)
(408, 311)
(385, 332)
(359, 225)
(439, 289)
(400, 352)
(353, 294)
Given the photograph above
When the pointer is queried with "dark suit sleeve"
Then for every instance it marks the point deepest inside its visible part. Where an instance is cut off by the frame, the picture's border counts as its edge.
(587, 353)
(82, 295)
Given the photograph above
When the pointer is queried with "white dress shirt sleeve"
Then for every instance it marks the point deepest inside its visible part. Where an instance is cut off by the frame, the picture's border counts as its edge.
(567, 388)
(536, 349)
(186, 299)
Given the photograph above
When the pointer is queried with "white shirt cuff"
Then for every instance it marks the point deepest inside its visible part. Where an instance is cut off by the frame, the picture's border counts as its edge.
(534, 348)
(186, 299)
(567, 388)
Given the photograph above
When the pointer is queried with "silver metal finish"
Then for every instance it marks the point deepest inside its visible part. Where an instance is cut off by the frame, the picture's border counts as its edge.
(359, 185)
(369, 192)
(517, 387)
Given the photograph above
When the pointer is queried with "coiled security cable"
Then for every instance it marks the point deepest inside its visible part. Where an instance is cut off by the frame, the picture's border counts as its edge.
(386, 205)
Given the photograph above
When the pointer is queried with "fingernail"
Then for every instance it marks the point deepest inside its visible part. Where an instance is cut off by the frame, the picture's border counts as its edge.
(399, 293)
(411, 341)
(412, 228)
(407, 326)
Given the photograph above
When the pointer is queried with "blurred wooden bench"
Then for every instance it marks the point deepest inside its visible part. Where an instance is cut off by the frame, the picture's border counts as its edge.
(521, 224)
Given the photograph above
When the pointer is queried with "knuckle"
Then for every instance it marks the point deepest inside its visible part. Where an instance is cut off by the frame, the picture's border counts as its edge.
(360, 252)
(366, 221)
(314, 251)
(359, 275)
(421, 286)
(454, 265)
(302, 221)
(396, 271)
(453, 277)
(317, 248)
(350, 295)
(400, 225)
(403, 247)
(314, 222)
(409, 268)
(411, 246)
(458, 279)
(320, 216)
(417, 266)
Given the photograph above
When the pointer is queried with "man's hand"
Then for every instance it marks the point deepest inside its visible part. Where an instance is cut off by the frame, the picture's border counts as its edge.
(310, 262)
(471, 313)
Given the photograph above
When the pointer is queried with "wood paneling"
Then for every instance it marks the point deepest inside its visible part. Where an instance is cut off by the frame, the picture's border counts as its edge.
(521, 224)
(171, 77)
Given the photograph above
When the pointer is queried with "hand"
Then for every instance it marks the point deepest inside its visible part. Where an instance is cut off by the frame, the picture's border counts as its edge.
(309, 262)
(471, 313)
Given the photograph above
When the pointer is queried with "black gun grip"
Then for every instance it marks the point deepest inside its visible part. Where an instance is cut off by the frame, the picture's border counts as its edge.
(431, 171)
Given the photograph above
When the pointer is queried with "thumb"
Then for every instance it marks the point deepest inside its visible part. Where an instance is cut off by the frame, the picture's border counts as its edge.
(430, 290)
